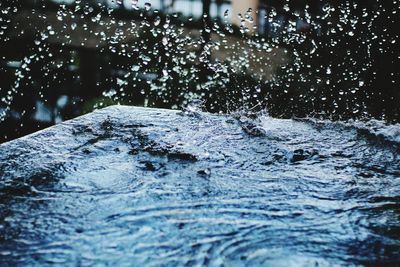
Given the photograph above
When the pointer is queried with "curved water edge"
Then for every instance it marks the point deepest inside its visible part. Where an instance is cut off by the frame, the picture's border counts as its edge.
(134, 186)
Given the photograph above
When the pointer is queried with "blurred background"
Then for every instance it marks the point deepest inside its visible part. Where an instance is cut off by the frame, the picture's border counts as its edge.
(335, 60)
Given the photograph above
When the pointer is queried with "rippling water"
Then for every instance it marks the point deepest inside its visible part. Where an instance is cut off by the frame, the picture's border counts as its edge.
(133, 186)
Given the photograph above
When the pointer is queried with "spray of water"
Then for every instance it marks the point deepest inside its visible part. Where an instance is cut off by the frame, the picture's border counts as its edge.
(292, 60)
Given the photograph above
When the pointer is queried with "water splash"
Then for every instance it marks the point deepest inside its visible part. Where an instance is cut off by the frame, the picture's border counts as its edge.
(271, 59)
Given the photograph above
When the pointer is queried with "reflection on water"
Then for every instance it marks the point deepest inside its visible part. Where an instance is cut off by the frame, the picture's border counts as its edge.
(163, 188)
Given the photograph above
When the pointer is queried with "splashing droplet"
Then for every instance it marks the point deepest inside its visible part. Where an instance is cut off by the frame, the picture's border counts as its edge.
(147, 6)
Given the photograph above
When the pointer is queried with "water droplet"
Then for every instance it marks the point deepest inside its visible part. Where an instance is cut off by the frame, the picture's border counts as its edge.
(157, 21)
(328, 71)
(226, 13)
(147, 6)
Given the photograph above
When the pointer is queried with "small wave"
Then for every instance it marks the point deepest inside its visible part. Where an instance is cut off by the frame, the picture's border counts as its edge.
(378, 129)
(374, 130)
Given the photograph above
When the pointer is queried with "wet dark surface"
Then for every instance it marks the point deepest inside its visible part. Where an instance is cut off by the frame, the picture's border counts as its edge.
(131, 186)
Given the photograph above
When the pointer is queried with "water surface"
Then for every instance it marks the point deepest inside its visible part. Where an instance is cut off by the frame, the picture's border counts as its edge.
(132, 187)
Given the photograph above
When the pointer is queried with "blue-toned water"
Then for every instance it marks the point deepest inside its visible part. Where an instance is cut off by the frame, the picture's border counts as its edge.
(147, 187)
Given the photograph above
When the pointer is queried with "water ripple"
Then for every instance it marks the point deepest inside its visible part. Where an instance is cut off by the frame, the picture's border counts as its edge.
(305, 193)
